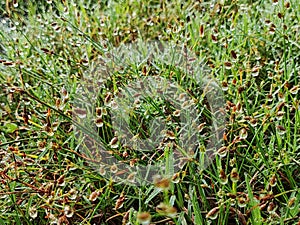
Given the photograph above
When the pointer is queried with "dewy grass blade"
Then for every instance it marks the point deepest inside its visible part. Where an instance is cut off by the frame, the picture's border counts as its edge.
(254, 204)
(249, 50)
(198, 219)
(100, 48)
(154, 193)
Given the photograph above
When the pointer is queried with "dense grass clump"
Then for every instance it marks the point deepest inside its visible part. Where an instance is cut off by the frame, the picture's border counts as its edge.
(65, 67)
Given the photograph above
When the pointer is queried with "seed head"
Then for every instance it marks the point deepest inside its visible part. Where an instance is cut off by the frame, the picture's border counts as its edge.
(144, 218)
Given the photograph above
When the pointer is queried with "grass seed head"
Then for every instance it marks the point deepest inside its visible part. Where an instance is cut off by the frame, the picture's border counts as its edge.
(161, 183)
(166, 210)
(222, 152)
(68, 211)
(292, 202)
(144, 218)
(223, 177)
(33, 213)
(234, 176)
(213, 213)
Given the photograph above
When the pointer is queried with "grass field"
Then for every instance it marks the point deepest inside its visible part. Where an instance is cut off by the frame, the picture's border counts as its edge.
(64, 69)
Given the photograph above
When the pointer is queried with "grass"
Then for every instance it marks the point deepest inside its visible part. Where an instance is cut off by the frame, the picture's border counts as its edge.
(56, 70)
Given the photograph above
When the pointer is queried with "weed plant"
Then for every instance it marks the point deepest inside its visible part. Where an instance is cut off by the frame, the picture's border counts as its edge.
(250, 48)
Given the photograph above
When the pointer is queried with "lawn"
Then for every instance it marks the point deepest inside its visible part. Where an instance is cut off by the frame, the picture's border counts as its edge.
(150, 112)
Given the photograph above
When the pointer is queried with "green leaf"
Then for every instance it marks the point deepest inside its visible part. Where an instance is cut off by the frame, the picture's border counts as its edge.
(10, 128)
(255, 212)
